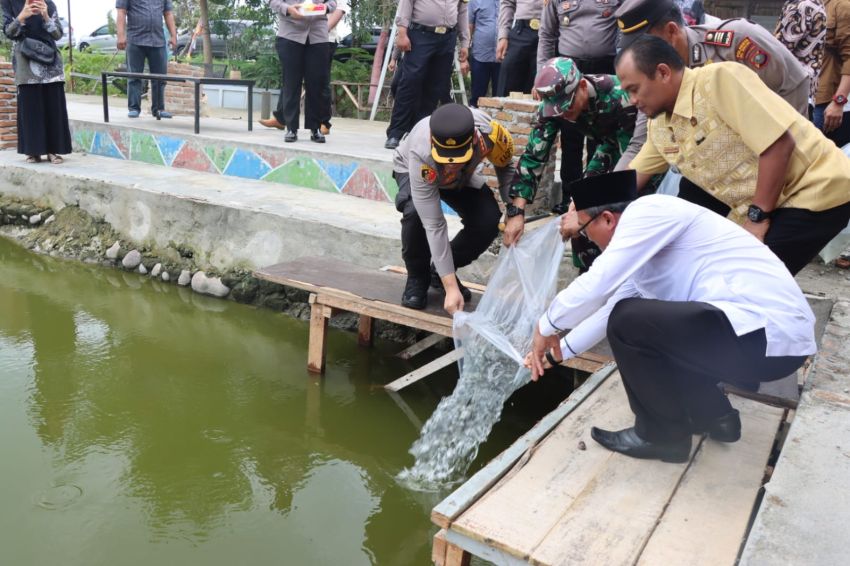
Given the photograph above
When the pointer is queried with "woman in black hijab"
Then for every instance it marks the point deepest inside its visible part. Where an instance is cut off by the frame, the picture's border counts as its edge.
(33, 26)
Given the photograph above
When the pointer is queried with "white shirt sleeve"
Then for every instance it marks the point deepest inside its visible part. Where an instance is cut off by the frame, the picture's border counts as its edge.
(642, 231)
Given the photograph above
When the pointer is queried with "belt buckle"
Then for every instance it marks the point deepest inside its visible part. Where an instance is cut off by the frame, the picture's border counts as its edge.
(534, 24)
(441, 29)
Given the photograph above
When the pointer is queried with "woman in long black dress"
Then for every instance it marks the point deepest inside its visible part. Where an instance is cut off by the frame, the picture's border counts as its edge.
(42, 112)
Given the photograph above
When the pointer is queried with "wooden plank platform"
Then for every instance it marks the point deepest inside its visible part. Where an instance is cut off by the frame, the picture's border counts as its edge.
(373, 294)
(567, 500)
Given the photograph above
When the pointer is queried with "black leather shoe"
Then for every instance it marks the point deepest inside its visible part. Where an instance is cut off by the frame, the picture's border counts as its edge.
(415, 294)
(391, 143)
(316, 136)
(727, 428)
(437, 283)
(290, 136)
(561, 208)
(627, 442)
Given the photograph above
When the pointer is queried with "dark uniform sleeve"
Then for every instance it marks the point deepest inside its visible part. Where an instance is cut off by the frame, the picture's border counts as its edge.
(534, 158)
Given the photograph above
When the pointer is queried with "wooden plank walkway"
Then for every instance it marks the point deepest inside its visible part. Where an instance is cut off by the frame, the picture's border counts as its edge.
(557, 497)
(373, 294)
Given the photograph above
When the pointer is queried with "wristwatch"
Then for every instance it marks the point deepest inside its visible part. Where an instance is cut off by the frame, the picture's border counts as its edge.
(839, 99)
(756, 214)
(511, 211)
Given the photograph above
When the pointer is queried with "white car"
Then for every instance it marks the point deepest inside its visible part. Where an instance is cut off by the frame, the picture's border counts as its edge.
(67, 32)
(99, 40)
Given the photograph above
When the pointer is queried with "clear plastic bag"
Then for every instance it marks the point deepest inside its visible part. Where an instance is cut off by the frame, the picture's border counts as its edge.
(495, 339)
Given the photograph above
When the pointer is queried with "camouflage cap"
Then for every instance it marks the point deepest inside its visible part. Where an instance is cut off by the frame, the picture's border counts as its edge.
(556, 83)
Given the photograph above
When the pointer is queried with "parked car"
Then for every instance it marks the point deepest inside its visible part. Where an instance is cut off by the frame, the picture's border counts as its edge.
(99, 40)
(370, 45)
(231, 28)
(67, 32)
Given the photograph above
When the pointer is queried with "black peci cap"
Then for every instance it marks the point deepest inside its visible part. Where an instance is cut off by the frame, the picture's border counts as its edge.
(599, 190)
(636, 17)
(452, 129)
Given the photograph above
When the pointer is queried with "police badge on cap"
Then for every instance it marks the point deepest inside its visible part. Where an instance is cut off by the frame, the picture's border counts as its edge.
(452, 131)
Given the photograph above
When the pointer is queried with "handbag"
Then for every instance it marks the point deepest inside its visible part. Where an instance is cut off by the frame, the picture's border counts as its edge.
(38, 51)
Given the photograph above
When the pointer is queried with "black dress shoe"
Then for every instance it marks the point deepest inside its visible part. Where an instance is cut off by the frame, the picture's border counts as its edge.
(627, 442)
(726, 428)
(316, 136)
(561, 208)
(291, 136)
(415, 294)
(391, 143)
(437, 283)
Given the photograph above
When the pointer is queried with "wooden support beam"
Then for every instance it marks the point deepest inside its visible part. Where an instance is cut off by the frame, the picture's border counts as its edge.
(456, 556)
(364, 331)
(420, 346)
(426, 370)
(319, 315)
(438, 550)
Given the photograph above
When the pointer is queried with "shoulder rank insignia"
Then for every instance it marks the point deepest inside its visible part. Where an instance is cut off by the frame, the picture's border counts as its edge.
(696, 54)
(748, 51)
(429, 174)
(719, 37)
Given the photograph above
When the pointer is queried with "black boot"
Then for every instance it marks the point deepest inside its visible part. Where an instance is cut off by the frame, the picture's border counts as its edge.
(437, 283)
(415, 294)
(629, 443)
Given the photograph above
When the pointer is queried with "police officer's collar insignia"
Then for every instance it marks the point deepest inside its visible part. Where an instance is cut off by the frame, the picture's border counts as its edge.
(429, 174)
(719, 37)
(696, 54)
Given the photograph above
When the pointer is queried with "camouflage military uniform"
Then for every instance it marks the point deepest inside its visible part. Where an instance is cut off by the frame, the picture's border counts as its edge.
(609, 120)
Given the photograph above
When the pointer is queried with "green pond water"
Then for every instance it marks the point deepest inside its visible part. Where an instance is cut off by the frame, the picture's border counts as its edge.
(143, 424)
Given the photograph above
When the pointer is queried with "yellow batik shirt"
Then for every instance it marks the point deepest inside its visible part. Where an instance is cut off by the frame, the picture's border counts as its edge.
(724, 118)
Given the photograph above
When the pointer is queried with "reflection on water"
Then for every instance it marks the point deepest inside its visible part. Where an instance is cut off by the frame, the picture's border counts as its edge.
(149, 425)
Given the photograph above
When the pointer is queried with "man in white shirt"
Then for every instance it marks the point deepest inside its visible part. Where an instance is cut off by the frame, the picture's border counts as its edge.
(687, 299)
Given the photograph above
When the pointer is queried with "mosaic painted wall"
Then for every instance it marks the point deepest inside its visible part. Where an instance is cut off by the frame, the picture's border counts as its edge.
(334, 174)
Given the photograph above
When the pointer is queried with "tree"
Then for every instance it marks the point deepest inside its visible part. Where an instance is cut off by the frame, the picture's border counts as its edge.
(110, 23)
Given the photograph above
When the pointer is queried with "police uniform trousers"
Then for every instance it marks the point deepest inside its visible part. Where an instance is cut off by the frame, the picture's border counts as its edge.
(795, 235)
(307, 64)
(519, 66)
(672, 357)
(479, 213)
(327, 112)
(572, 140)
(426, 78)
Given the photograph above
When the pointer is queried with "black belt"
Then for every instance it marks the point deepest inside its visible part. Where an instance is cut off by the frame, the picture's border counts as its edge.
(591, 63)
(533, 24)
(439, 30)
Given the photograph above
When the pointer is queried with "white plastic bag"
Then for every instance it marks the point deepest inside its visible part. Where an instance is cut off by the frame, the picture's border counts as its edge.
(841, 242)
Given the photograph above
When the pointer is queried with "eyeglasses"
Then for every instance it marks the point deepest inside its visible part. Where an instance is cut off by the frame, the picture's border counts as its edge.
(582, 230)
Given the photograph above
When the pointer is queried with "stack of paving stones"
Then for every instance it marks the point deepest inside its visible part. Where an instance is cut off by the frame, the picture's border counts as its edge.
(517, 115)
(8, 107)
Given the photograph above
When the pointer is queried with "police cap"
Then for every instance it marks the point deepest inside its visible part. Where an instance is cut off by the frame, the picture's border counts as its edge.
(601, 190)
(636, 17)
(452, 128)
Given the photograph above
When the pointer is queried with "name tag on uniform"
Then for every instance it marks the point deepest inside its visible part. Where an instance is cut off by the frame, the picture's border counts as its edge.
(441, 29)
(534, 24)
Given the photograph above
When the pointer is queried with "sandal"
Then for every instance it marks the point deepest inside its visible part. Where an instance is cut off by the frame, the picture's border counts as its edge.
(33, 159)
(842, 262)
(55, 159)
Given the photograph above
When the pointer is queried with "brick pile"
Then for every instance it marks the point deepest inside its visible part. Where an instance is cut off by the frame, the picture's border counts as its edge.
(180, 97)
(8, 107)
(517, 116)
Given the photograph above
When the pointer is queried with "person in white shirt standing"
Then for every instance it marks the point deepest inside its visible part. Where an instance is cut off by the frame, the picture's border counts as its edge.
(687, 299)
(333, 36)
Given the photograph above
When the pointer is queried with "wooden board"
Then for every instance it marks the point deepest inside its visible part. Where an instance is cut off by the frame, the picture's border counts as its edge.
(346, 280)
(707, 518)
(426, 370)
(568, 505)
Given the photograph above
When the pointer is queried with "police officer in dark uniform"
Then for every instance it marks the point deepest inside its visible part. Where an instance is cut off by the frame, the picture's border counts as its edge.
(737, 39)
(586, 32)
(437, 162)
(427, 33)
(519, 21)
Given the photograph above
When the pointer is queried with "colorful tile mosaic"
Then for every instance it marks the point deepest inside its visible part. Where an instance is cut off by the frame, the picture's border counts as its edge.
(370, 180)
